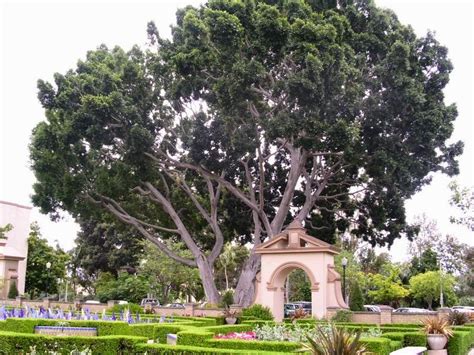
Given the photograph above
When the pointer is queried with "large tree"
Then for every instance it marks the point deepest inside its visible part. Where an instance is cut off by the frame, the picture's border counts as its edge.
(40, 279)
(253, 114)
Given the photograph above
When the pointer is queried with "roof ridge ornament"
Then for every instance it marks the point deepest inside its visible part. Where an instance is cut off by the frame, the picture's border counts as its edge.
(296, 224)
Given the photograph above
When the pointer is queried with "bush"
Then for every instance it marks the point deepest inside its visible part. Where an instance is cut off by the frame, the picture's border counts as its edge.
(132, 307)
(258, 311)
(414, 339)
(459, 344)
(342, 315)
(457, 318)
(227, 299)
(467, 301)
(16, 343)
(357, 299)
(13, 291)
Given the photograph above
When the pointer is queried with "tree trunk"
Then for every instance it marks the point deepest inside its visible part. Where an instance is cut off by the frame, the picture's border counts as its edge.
(226, 278)
(245, 291)
(207, 278)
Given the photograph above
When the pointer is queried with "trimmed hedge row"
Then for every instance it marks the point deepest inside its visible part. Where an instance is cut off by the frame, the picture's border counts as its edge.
(16, 343)
(379, 346)
(153, 349)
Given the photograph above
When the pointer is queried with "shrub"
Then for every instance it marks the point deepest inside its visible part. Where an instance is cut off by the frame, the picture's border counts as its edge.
(336, 340)
(227, 299)
(457, 318)
(414, 339)
(132, 307)
(13, 291)
(342, 315)
(258, 311)
(357, 299)
(459, 343)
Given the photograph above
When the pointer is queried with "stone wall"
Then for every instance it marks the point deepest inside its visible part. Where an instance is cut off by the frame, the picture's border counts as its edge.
(387, 316)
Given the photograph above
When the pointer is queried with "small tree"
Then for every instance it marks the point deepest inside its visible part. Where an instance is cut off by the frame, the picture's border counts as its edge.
(427, 287)
(356, 299)
(13, 291)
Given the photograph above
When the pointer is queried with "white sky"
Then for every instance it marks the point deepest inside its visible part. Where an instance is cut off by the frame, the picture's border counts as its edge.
(39, 38)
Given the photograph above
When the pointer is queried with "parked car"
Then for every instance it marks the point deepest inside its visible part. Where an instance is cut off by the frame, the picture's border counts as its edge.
(464, 309)
(289, 309)
(92, 302)
(121, 302)
(175, 305)
(412, 310)
(304, 305)
(149, 302)
(371, 308)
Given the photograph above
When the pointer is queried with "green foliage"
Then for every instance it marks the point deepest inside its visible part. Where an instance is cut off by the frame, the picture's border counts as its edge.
(342, 316)
(14, 343)
(127, 287)
(299, 286)
(132, 307)
(350, 81)
(356, 297)
(4, 230)
(229, 264)
(13, 291)
(467, 301)
(335, 341)
(258, 311)
(457, 318)
(164, 349)
(103, 246)
(387, 287)
(40, 279)
(460, 343)
(426, 287)
(463, 199)
(167, 278)
(227, 299)
(414, 339)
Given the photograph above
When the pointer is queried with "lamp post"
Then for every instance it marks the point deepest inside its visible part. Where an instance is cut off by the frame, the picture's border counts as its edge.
(441, 295)
(48, 267)
(344, 264)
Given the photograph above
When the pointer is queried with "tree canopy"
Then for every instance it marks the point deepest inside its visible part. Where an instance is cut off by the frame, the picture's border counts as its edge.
(40, 279)
(254, 113)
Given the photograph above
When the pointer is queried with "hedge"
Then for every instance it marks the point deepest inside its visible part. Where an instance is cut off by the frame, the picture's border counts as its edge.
(395, 345)
(15, 343)
(379, 346)
(460, 343)
(27, 325)
(414, 339)
(153, 349)
(253, 345)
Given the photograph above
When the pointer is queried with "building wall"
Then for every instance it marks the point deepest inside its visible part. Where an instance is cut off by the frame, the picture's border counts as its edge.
(19, 217)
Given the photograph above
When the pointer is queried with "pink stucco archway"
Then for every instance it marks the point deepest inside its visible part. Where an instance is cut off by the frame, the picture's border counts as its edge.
(294, 249)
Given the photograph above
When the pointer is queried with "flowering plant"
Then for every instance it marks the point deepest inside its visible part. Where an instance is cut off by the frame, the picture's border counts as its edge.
(241, 335)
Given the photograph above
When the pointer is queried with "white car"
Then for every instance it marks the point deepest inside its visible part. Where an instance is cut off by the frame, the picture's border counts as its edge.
(412, 310)
(371, 308)
(92, 302)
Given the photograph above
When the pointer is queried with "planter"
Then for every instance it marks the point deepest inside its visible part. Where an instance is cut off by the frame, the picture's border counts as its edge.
(437, 341)
(230, 320)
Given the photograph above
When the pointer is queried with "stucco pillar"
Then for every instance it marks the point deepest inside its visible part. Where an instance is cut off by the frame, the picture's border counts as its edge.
(318, 303)
(443, 313)
(386, 314)
(278, 299)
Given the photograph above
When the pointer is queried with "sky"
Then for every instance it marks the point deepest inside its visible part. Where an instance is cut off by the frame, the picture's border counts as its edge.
(39, 38)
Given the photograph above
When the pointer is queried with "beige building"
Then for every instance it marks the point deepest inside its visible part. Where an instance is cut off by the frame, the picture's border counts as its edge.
(14, 249)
